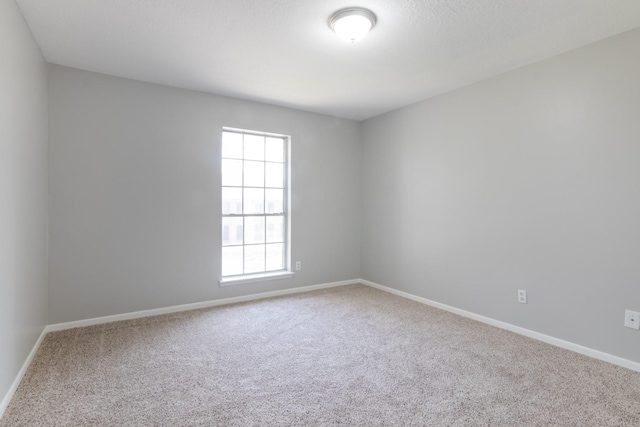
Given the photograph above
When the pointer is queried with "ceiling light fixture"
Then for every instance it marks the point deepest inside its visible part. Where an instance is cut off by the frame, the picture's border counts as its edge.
(352, 23)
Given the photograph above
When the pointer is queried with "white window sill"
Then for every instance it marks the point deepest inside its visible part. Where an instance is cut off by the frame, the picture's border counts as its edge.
(260, 277)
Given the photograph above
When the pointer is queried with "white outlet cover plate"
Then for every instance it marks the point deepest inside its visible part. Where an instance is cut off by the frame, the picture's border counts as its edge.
(522, 296)
(632, 319)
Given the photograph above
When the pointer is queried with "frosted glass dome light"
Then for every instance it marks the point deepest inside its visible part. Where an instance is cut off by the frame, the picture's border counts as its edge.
(353, 23)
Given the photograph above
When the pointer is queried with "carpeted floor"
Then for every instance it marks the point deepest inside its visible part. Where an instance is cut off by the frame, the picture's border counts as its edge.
(350, 355)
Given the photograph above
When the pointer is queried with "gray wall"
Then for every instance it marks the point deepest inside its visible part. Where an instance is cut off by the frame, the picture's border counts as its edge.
(530, 180)
(23, 193)
(135, 198)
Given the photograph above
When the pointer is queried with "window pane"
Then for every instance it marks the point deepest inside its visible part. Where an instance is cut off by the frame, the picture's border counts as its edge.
(231, 200)
(232, 145)
(232, 260)
(254, 147)
(275, 229)
(275, 257)
(254, 200)
(254, 259)
(274, 201)
(275, 150)
(231, 172)
(253, 229)
(231, 231)
(253, 174)
(274, 175)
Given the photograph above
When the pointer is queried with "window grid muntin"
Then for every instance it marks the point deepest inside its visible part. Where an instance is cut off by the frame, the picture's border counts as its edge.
(285, 199)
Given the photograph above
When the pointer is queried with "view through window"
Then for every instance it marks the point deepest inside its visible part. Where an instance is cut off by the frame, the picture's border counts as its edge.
(254, 203)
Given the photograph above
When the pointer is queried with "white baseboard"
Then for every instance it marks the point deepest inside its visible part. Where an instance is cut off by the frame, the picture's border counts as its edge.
(194, 306)
(596, 354)
(23, 370)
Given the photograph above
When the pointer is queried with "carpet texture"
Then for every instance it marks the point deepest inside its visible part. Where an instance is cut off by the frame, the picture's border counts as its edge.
(350, 355)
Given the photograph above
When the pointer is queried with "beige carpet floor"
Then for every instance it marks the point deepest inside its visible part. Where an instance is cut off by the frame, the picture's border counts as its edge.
(351, 355)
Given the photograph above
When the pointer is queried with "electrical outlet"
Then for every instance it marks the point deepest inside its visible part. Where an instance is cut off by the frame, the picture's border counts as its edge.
(298, 265)
(522, 296)
(632, 319)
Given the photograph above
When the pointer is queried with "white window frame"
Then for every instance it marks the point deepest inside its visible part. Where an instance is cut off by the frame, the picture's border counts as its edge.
(269, 275)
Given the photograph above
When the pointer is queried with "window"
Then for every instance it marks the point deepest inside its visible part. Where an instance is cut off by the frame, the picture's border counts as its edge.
(255, 199)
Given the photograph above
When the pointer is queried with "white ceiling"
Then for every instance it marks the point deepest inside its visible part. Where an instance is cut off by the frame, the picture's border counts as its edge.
(282, 51)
